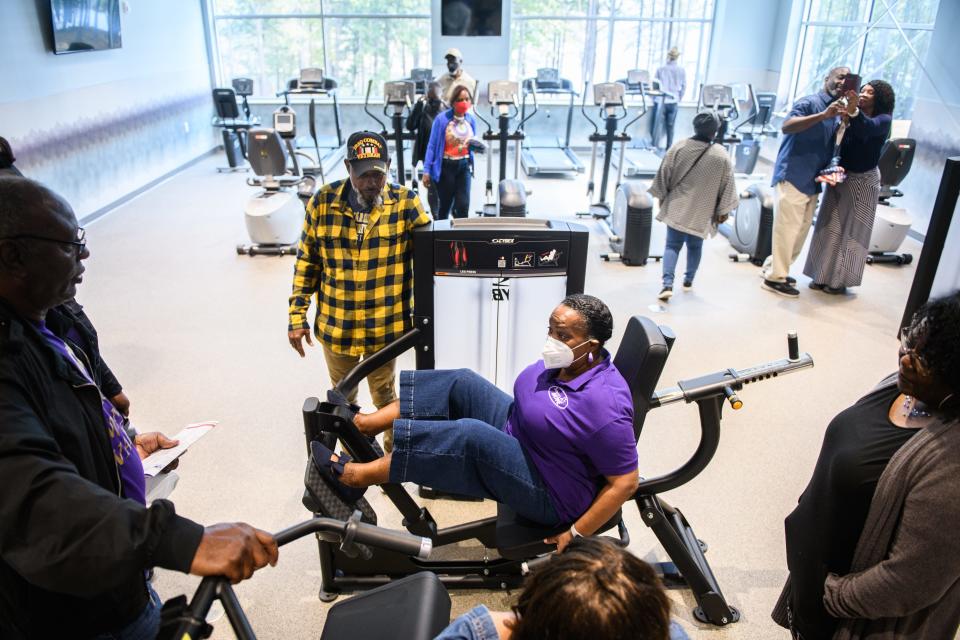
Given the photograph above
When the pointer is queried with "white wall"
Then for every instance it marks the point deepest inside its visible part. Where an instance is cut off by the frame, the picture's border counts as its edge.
(748, 42)
(96, 126)
(485, 58)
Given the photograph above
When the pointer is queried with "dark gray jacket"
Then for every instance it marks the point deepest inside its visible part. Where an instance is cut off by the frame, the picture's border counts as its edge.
(904, 582)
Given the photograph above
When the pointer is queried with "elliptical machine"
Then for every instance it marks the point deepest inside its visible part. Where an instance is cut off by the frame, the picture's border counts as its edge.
(758, 120)
(274, 216)
(512, 194)
(750, 227)
(630, 225)
(398, 96)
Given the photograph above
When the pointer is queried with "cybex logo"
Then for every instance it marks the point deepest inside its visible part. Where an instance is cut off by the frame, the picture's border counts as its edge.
(503, 240)
(501, 290)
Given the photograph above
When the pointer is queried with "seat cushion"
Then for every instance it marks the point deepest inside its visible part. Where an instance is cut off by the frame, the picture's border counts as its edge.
(416, 607)
(519, 538)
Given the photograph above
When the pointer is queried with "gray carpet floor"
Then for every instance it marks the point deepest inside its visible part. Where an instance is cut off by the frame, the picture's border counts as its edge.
(196, 332)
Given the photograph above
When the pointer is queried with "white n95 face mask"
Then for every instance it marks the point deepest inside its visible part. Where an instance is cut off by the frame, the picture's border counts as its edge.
(557, 355)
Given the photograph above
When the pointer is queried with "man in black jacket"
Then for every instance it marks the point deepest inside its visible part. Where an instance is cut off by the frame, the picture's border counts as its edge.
(75, 536)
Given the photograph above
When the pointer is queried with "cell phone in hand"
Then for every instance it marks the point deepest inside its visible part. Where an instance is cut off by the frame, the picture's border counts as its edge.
(851, 83)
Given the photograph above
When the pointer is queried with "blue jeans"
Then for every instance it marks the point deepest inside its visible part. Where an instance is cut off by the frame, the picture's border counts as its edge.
(477, 624)
(666, 118)
(145, 626)
(450, 437)
(671, 254)
(453, 189)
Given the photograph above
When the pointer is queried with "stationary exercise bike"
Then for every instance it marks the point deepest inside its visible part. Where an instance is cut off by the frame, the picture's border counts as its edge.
(511, 544)
(512, 194)
(234, 127)
(398, 96)
(631, 223)
(274, 216)
(891, 225)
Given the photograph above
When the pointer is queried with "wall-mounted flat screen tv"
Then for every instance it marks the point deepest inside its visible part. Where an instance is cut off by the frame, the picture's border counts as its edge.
(85, 25)
(471, 17)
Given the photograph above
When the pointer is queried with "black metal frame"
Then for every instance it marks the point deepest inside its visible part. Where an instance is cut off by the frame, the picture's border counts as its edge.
(329, 421)
(329, 89)
(181, 619)
(530, 86)
(611, 119)
(936, 239)
(398, 136)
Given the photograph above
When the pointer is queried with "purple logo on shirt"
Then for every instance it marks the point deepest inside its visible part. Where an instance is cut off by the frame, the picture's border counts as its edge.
(558, 397)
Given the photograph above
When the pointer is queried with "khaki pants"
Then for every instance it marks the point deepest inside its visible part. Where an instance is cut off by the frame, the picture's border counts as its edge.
(381, 383)
(790, 227)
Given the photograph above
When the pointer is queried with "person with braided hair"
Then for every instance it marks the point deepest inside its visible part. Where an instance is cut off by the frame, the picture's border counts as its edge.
(872, 546)
(594, 589)
(841, 237)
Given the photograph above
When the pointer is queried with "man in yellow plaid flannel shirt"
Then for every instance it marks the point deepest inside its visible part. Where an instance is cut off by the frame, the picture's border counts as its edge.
(356, 256)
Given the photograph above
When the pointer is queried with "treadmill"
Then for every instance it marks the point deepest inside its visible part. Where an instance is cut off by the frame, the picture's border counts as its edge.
(641, 160)
(330, 149)
(549, 154)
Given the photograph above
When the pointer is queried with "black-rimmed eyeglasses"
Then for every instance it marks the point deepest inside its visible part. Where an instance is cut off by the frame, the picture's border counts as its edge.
(79, 244)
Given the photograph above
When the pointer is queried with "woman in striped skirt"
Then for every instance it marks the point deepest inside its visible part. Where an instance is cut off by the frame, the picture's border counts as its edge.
(841, 238)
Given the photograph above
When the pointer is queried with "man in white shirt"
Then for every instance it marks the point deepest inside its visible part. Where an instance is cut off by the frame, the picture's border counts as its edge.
(673, 82)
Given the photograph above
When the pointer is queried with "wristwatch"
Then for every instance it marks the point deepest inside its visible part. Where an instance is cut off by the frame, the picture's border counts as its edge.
(574, 532)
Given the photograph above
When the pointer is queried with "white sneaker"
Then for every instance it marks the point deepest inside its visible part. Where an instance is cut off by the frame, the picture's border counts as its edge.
(665, 294)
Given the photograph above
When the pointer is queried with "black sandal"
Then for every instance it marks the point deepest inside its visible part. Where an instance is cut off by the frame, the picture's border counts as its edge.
(331, 471)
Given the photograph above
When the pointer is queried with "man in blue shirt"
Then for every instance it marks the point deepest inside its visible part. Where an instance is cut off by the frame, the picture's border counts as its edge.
(807, 147)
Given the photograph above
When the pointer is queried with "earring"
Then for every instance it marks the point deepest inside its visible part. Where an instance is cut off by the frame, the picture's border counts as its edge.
(590, 357)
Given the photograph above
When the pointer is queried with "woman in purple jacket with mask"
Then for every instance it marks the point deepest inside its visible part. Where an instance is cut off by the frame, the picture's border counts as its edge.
(561, 450)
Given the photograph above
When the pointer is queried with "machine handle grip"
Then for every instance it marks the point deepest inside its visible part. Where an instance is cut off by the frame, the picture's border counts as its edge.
(399, 541)
(793, 346)
(353, 530)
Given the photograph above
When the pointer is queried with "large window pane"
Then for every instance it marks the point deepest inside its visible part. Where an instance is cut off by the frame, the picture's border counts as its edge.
(254, 7)
(377, 6)
(576, 47)
(552, 7)
(693, 9)
(840, 10)
(642, 8)
(823, 49)
(639, 45)
(643, 45)
(887, 57)
(906, 12)
(878, 45)
(269, 51)
(353, 61)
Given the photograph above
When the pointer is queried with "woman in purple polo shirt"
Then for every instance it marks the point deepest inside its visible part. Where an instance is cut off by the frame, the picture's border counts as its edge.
(562, 450)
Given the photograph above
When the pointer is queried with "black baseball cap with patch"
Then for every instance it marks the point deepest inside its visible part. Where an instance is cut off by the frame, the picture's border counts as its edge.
(367, 151)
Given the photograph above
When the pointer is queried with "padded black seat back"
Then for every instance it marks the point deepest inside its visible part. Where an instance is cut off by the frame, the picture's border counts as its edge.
(896, 158)
(225, 101)
(640, 359)
(266, 153)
